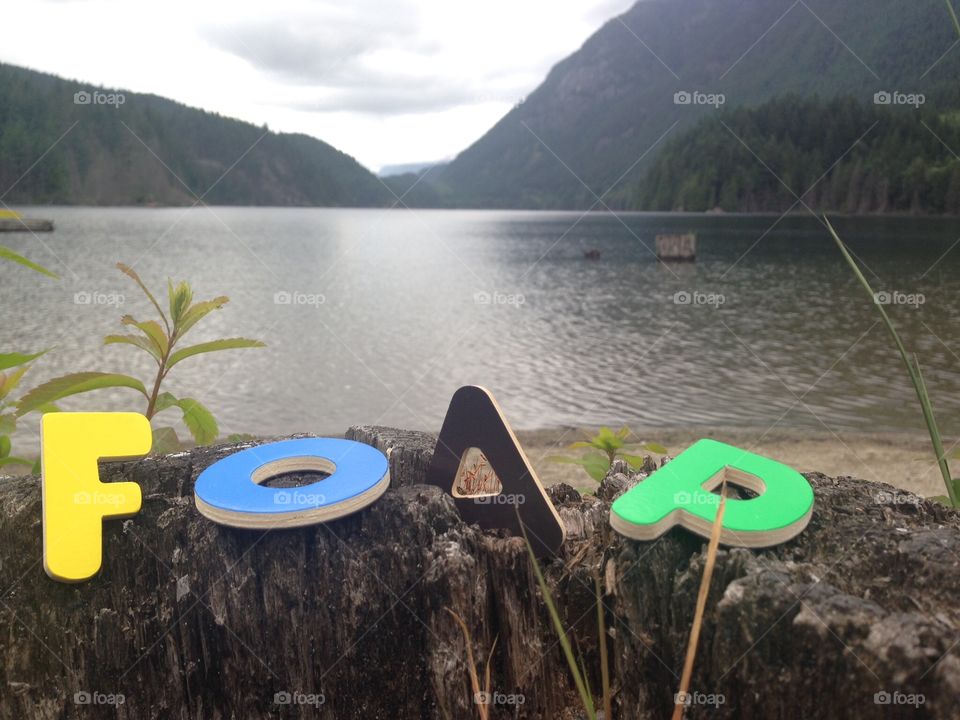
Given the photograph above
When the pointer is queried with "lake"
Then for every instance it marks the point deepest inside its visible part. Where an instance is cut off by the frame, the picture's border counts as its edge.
(377, 316)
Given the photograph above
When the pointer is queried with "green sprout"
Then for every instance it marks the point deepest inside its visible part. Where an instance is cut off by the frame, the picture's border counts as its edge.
(160, 340)
(606, 446)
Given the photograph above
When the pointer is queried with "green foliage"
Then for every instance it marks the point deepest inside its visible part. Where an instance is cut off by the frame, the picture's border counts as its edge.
(606, 446)
(916, 377)
(159, 339)
(903, 164)
(13, 366)
(108, 154)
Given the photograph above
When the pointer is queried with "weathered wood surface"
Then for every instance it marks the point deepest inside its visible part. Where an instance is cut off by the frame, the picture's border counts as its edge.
(192, 620)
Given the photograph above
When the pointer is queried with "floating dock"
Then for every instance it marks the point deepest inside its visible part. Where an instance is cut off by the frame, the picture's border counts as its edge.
(677, 248)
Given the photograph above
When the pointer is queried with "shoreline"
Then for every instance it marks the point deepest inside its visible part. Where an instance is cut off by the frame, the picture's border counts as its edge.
(904, 459)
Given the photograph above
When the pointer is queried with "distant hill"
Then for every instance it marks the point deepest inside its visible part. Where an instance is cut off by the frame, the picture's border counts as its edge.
(115, 154)
(407, 168)
(599, 110)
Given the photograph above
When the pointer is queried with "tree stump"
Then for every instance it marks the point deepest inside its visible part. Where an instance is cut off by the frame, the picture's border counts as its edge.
(188, 619)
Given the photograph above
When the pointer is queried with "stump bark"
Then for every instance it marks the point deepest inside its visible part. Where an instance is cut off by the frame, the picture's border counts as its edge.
(188, 619)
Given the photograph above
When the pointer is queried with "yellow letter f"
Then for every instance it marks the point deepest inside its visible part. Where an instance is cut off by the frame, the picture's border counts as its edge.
(74, 500)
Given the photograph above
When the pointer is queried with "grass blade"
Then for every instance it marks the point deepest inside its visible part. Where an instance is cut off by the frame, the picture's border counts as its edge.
(912, 370)
(482, 708)
(602, 634)
(701, 604)
(558, 626)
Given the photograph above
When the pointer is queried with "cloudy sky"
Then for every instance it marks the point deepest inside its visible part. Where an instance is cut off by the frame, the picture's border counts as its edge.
(388, 81)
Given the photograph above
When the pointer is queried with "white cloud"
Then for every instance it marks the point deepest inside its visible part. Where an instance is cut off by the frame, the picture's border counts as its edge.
(388, 81)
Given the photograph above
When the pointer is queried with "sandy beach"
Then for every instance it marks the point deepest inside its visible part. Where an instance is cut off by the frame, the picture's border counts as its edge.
(903, 459)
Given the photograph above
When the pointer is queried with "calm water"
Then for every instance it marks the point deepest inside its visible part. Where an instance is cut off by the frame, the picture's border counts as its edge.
(415, 304)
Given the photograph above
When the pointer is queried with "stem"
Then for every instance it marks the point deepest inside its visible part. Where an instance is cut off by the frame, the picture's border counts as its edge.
(161, 374)
(604, 663)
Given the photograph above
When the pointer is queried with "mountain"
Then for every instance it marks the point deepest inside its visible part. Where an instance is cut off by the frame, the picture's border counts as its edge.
(601, 112)
(880, 159)
(123, 148)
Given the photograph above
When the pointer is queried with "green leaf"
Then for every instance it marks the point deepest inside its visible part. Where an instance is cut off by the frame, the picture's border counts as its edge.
(199, 421)
(9, 360)
(8, 254)
(198, 311)
(131, 273)
(580, 444)
(135, 340)
(623, 432)
(165, 400)
(153, 331)
(180, 298)
(9, 381)
(165, 441)
(11, 460)
(240, 437)
(595, 464)
(212, 346)
(634, 461)
(942, 499)
(655, 448)
(74, 384)
(8, 424)
(5, 446)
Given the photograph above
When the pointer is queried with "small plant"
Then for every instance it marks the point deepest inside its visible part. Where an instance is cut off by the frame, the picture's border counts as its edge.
(913, 370)
(608, 446)
(162, 343)
(13, 366)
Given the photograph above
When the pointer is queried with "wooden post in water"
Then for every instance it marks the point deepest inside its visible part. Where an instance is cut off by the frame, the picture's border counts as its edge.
(674, 247)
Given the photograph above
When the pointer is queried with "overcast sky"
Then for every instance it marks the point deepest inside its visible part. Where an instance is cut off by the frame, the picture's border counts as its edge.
(388, 81)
